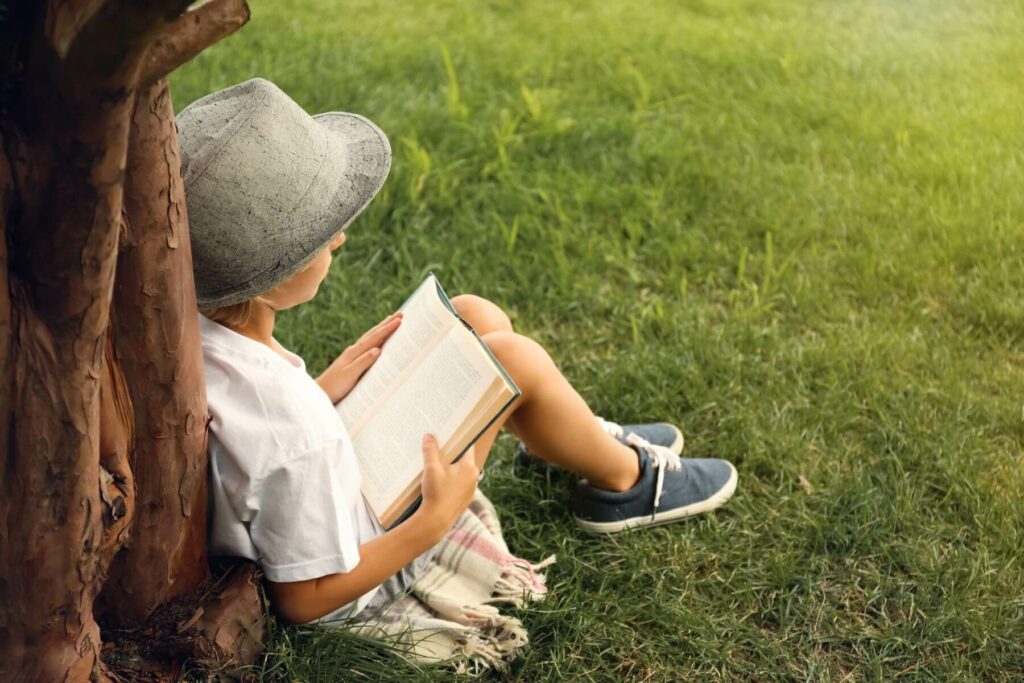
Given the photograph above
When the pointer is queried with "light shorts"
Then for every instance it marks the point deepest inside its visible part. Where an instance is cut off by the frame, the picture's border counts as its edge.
(393, 588)
(398, 585)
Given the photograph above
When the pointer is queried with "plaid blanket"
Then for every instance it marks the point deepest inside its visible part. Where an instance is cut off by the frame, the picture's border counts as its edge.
(451, 613)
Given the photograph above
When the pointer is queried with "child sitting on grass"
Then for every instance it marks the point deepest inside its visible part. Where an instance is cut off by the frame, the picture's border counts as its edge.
(270, 192)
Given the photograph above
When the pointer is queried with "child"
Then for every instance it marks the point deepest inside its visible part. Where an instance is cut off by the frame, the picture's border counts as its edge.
(270, 192)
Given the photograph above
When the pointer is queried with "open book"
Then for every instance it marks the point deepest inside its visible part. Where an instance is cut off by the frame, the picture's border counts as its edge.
(434, 375)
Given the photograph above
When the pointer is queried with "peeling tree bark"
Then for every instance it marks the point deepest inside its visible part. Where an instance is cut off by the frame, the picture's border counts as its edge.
(117, 434)
(95, 460)
(61, 278)
(188, 35)
(158, 349)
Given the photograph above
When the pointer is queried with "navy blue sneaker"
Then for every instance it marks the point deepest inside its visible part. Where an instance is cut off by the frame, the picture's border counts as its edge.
(670, 488)
(664, 434)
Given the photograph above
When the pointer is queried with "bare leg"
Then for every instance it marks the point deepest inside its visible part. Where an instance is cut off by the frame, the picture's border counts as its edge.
(550, 417)
(555, 422)
(483, 315)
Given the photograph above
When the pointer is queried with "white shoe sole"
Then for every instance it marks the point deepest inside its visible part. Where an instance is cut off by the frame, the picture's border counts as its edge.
(717, 500)
(677, 445)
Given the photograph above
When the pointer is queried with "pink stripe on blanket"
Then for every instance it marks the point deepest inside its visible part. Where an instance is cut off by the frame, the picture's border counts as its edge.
(536, 582)
(480, 545)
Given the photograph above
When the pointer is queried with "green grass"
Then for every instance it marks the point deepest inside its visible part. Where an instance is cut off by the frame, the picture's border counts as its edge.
(795, 228)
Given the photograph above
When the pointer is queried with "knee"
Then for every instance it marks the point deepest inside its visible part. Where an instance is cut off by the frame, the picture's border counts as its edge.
(520, 356)
(483, 315)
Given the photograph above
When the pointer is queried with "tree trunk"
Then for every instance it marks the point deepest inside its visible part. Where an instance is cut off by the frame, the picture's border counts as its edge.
(102, 471)
(158, 351)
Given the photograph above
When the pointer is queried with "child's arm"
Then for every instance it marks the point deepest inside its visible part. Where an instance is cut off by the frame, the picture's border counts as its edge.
(447, 490)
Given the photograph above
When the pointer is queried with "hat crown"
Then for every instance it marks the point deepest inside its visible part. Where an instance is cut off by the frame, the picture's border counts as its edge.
(252, 122)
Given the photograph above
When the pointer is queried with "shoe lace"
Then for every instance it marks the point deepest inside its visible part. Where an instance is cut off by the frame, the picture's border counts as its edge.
(610, 428)
(661, 458)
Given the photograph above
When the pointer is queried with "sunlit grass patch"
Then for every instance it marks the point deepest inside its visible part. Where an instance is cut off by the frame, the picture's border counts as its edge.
(794, 228)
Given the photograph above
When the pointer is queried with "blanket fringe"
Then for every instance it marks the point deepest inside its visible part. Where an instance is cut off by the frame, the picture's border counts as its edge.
(493, 645)
(451, 614)
(497, 638)
(521, 582)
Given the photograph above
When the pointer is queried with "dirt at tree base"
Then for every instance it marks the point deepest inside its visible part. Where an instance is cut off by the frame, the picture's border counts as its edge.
(217, 629)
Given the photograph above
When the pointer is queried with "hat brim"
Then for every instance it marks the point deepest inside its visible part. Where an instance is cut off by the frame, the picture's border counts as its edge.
(368, 152)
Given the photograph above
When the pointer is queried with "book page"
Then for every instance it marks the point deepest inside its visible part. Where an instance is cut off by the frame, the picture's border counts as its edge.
(435, 398)
(424, 320)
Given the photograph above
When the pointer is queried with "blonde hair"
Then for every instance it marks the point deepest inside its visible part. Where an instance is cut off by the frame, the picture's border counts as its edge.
(235, 315)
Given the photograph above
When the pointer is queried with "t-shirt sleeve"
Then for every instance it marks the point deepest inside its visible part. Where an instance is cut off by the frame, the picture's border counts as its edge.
(304, 527)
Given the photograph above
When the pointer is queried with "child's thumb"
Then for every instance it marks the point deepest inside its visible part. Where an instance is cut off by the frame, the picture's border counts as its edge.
(431, 456)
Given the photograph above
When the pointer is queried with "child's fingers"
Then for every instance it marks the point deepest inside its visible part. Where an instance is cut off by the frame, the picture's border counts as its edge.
(386, 330)
(431, 455)
(366, 359)
(397, 315)
(381, 331)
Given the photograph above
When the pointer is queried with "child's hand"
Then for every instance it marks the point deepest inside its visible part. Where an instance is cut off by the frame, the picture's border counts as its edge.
(343, 374)
(447, 488)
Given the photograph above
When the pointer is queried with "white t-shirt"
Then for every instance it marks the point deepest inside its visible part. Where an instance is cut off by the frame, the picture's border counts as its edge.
(285, 484)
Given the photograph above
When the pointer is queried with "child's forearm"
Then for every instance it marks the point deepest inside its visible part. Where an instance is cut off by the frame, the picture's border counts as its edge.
(380, 559)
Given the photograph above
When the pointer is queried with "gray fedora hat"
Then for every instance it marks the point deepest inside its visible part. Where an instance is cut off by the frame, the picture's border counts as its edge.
(268, 186)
